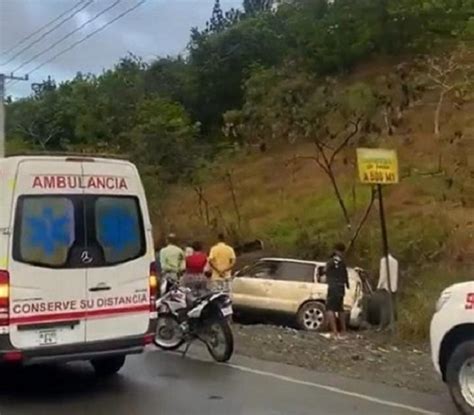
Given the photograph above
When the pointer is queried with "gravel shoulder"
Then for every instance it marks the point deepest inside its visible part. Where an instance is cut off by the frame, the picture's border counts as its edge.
(367, 355)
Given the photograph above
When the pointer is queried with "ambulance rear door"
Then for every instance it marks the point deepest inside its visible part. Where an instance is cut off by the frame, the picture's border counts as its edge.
(47, 276)
(119, 237)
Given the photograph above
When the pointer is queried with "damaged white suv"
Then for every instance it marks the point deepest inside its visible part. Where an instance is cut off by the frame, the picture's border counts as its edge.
(452, 343)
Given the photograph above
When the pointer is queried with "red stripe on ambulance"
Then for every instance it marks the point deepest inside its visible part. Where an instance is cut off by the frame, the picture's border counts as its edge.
(79, 315)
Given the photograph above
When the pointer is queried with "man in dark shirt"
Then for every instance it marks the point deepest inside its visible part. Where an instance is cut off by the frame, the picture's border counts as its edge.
(338, 281)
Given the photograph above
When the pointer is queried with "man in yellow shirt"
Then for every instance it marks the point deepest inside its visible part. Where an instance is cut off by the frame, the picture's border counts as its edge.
(221, 260)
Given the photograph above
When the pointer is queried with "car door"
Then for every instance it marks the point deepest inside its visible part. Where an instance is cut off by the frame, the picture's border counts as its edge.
(354, 293)
(351, 295)
(47, 279)
(291, 286)
(250, 288)
(117, 278)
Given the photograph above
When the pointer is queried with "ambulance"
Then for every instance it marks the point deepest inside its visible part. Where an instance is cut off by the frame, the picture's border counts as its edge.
(452, 343)
(77, 272)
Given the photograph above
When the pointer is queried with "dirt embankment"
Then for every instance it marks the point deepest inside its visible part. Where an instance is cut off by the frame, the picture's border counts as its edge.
(366, 355)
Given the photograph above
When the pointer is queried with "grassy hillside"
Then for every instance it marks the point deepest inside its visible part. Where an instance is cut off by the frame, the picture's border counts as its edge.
(290, 204)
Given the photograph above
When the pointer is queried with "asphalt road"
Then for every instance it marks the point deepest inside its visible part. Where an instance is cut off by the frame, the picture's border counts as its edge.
(162, 383)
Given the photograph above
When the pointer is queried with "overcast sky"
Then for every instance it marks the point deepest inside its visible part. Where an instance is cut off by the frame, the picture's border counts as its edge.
(156, 28)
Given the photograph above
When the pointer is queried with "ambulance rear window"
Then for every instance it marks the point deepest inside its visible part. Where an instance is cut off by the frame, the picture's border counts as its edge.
(46, 230)
(119, 228)
(78, 231)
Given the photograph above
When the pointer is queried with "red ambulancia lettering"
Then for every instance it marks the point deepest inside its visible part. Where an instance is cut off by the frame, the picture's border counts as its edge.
(49, 182)
(77, 182)
(123, 184)
(92, 183)
(470, 301)
(100, 182)
(37, 182)
(61, 182)
(110, 183)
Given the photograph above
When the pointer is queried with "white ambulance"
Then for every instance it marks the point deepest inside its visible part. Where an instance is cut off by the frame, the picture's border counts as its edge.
(77, 270)
(452, 343)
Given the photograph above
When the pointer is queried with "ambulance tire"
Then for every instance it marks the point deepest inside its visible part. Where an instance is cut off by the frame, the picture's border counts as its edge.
(108, 366)
(459, 376)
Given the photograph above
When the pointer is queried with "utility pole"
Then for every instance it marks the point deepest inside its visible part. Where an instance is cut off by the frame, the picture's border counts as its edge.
(4, 77)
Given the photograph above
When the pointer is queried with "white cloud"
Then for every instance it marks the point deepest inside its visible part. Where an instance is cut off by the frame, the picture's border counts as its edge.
(158, 27)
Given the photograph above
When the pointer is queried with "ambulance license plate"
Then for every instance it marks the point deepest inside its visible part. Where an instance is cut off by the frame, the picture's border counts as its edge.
(48, 337)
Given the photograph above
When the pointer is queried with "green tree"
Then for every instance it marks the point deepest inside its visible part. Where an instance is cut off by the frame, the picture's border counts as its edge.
(289, 106)
(221, 63)
(163, 136)
(253, 7)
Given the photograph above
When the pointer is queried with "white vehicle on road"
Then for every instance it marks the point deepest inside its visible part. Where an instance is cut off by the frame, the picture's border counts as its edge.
(452, 343)
(295, 288)
(76, 262)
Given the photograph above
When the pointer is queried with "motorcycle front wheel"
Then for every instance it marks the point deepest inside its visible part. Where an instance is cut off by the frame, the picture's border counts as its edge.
(220, 340)
(169, 335)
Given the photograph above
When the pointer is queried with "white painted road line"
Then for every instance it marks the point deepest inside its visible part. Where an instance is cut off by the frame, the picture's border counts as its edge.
(333, 390)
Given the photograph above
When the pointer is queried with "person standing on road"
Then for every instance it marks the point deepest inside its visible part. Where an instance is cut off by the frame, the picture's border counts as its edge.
(221, 260)
(172, 262)
(338, 281)
(194, 277)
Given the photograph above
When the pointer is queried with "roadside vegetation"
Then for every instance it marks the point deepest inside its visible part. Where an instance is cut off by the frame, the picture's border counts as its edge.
(253, 131)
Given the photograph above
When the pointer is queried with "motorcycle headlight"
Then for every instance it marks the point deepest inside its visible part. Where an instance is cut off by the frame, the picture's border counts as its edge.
(442, 300)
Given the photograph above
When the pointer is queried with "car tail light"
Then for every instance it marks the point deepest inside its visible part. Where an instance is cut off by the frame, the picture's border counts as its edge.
(4, 298)
(153, 286)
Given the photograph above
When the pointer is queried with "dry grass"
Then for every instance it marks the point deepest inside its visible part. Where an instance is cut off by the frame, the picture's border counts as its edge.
(292, 207)
(417, 303)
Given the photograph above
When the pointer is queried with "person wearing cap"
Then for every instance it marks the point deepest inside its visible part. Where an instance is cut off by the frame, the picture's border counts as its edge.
(172, 259)
(338, 282)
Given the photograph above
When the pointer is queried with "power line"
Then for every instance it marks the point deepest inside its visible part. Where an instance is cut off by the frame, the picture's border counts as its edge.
(68, 35)
(29, 46)
(100, 29)
(42, 28)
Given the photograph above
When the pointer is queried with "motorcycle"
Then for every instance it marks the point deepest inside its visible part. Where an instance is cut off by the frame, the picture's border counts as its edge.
(184, 318)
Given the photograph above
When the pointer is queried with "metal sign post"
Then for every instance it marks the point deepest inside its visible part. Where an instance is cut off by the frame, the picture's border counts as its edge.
(3, 77)
(380, 167)
(386, 252)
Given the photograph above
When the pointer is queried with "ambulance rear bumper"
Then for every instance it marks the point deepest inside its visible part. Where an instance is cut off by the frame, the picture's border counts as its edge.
(77, 351)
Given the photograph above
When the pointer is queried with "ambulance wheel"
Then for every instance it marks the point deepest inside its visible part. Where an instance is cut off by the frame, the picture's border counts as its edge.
(460, 377)
(108, 366)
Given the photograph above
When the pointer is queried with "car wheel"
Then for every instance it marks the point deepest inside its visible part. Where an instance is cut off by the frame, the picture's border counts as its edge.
(311, 316)
(460, 377)
(108, 366)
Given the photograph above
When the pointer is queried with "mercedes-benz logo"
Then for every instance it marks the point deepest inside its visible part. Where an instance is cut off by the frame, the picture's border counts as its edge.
(86, 258)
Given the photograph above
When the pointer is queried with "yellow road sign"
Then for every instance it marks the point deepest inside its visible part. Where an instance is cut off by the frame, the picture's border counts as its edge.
(377, 166)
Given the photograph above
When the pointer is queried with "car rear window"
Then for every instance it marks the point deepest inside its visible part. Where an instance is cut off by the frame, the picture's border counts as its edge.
(62, 231)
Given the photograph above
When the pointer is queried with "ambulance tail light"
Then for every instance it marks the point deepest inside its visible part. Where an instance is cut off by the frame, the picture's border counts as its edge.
(4, 298)
(153, 286)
